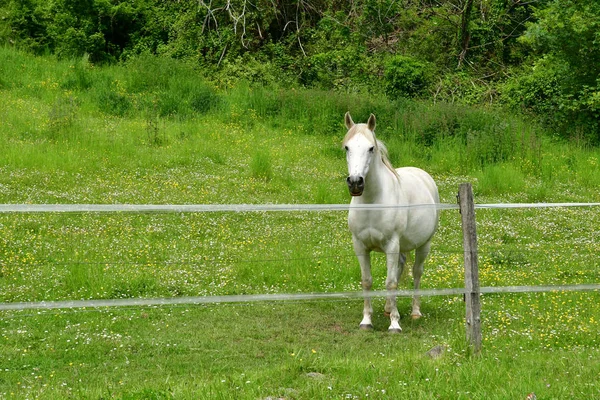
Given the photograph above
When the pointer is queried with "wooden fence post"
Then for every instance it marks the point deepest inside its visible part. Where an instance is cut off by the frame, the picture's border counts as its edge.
(473, 305)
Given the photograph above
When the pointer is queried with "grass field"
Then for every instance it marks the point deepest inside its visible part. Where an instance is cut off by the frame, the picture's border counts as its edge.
(75, 133)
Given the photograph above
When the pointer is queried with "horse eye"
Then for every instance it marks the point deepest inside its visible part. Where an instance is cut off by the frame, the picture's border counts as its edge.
(371, 149)
(346, 148)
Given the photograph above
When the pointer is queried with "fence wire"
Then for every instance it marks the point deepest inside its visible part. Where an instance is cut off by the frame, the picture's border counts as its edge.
(203, 208)
(278, 297)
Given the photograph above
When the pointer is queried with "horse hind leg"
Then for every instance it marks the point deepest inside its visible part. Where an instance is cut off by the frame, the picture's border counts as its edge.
(420, 255)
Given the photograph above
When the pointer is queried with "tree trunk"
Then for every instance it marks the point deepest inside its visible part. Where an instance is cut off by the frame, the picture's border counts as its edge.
(465, 34)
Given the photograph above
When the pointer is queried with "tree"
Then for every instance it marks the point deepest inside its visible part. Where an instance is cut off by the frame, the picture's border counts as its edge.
(464, 34)
(566, 42)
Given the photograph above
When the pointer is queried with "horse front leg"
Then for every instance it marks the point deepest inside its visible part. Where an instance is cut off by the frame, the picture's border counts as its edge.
(393, 258)
(401, 263)
(364, 259)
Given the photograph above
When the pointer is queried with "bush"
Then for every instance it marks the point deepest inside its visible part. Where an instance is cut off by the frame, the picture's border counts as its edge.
(547, 93)
(102, 29)
(248, 69)
(405, 77)
(564, 79)
(344, 69)
(535, 93)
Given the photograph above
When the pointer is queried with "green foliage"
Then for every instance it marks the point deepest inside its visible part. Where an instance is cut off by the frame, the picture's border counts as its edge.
(405, 77)
(541, 57)
(167, 87)
(469, 138)
(537, 92)
(335, 56)
(25, 23)
(80, 77)
(564, 79)
(111, 100)
(569, 30)
(328, 45)
(313, 111)
(156, 86)
(247, 68)
(99, 28)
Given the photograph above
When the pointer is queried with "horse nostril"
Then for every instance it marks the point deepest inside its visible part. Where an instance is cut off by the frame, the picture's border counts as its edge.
(355, 181)
(356, 184)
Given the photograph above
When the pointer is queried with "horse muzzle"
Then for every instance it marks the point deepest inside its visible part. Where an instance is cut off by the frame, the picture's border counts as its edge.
(356, 185)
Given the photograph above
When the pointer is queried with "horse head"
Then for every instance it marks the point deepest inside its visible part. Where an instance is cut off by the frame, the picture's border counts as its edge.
(360, 145)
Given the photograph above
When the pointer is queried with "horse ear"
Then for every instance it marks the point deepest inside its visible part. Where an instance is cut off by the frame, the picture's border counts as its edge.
(348, 120)
(371, 123)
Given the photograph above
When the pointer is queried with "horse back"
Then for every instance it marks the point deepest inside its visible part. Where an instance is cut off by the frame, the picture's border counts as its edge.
(418, 186)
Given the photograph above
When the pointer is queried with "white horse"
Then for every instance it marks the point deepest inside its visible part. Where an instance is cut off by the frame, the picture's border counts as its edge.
(393, 231)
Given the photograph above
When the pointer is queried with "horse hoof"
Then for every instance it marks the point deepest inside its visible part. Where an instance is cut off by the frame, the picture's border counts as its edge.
(386, 314)
(415, 316)
(366, 327)
(395, 330)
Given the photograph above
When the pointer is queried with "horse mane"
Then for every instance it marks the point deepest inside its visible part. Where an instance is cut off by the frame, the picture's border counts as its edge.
(379, 145)
(385, 157)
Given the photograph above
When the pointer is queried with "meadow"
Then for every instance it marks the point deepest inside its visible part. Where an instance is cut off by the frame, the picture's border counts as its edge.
(152, 132)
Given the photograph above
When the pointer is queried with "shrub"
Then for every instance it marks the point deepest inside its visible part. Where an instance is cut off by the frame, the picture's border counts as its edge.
(537, 92)
(546, 92)
(405, 77)
(335, 69)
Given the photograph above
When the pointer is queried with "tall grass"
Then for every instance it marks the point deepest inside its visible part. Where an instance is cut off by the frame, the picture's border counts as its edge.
(260, 165)
(462, 139)
(500, 179)
(150, 86)
(161, 102)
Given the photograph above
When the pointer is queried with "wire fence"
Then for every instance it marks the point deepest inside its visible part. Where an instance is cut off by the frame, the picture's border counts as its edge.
(238, 208)
(202, 208)
(251, 298)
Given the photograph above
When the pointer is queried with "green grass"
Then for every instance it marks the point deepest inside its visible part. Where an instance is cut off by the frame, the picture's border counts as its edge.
(260, 165)
(61, 143)
(500, 178)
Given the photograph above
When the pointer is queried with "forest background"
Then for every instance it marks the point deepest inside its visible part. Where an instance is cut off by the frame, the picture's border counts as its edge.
(540, 58)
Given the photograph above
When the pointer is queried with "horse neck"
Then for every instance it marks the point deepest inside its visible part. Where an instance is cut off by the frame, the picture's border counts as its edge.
(380, 183)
